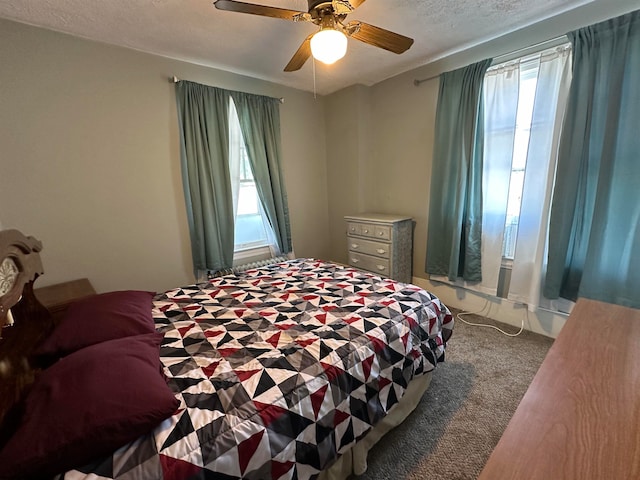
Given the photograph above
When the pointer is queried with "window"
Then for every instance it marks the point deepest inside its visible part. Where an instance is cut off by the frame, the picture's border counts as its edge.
(526, 97)
(252, 229)
(524, 102)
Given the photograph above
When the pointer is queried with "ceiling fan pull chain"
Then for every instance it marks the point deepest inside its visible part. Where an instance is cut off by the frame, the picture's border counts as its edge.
(313, 61)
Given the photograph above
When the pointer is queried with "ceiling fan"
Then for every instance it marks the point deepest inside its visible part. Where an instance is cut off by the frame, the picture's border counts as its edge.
(328, 44)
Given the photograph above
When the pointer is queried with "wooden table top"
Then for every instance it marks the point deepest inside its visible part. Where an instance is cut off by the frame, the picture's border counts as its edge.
(59, 296)
(580, 417)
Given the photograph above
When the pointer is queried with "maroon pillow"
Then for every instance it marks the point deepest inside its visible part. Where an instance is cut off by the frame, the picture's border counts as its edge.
(87, 405)
(97, 319)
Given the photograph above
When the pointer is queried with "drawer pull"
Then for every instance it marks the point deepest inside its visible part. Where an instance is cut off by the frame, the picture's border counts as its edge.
(381, 251)
(366, 231)
(355, 245)
(381, 234)
(380, 267)
(354, 260)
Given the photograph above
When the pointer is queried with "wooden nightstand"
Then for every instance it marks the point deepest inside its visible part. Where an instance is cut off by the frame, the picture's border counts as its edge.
(57, 298)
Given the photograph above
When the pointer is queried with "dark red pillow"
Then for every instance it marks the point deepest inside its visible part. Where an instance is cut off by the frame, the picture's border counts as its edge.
(87, 405)
(97, 319)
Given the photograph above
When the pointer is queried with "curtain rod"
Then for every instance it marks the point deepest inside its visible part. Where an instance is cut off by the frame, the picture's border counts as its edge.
(505, 57)
(175, 79)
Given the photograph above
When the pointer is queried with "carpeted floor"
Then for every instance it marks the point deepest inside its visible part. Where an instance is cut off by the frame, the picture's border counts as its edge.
(468, 405)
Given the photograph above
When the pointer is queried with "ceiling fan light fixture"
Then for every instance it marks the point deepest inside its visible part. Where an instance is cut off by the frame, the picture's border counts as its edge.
(328, 45)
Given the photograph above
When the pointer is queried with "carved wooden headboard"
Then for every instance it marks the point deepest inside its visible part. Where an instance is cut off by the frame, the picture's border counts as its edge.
(23, 320)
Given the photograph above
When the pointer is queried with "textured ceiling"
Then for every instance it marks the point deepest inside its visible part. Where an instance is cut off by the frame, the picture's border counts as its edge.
(260, 47)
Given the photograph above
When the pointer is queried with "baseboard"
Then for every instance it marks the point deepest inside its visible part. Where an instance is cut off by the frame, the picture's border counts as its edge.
(541, 321)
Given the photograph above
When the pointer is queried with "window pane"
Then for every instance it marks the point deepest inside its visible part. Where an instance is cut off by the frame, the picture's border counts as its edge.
(526, 99)
(245, 168)
(250, 222)
(250, 231)
(247, 199)
(513, 213)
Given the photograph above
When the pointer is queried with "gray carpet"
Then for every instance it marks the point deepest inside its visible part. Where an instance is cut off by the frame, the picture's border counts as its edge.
(468, 405)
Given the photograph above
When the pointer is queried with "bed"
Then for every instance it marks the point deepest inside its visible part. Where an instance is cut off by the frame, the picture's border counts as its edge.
(290, 371)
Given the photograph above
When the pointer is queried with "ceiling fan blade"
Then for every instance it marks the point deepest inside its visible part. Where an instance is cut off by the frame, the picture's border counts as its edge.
(265, 11)
(379, 37)
(356, 3)
(301, 56)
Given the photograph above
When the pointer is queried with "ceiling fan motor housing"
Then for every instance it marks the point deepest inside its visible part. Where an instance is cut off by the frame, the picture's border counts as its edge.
(321, 10)
(314, 4)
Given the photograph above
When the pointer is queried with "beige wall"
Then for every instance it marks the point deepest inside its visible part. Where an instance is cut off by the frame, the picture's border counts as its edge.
(396, 164)
(347, 135)
(89, 159)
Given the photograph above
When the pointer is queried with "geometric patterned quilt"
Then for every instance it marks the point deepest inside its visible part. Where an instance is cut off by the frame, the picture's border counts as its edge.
(279, 370)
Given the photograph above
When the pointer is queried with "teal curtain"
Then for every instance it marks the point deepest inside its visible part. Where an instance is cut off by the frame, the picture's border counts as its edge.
(260, 123)
(203, 117)
(594, 236)
(455, 205)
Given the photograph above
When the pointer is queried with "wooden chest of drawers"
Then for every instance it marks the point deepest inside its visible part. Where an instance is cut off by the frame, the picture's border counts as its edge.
(381, 244)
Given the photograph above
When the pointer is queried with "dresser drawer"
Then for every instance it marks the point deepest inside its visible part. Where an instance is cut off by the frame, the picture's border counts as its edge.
(380, 266)
(382, 232)
(354, 228)
(359, 245)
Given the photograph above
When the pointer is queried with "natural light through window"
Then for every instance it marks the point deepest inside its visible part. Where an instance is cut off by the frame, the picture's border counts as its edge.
(250, 222)
(526, 98)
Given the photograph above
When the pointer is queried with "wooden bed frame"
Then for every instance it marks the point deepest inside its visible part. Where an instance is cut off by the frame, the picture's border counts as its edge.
(20, 266)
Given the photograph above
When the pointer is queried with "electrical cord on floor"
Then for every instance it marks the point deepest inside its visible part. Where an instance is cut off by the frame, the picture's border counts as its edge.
(481, 313)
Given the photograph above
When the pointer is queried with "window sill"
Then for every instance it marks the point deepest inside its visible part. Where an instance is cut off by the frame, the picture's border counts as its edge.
(252, 254)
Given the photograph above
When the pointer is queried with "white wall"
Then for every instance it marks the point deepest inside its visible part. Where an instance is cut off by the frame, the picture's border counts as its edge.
(90, 160)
